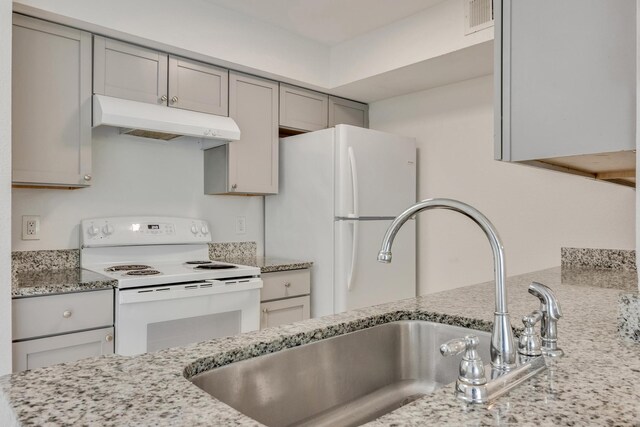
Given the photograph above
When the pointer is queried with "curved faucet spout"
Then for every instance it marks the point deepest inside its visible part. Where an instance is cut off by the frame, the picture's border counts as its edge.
(503, 353)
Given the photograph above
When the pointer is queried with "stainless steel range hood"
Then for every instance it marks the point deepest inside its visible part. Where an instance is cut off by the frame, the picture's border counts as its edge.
(162, 122)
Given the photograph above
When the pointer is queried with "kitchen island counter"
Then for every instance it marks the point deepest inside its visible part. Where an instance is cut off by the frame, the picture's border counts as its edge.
(595, 383)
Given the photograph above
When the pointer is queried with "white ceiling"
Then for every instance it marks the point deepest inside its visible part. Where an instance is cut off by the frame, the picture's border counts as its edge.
(329, 22)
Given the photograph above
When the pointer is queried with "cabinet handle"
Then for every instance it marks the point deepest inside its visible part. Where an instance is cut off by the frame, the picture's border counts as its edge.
(265, 310)
(87, 177)
(234, 186)
(67, 314)
(108, 338)
(174, 100)
(287, 285)
(163, 98)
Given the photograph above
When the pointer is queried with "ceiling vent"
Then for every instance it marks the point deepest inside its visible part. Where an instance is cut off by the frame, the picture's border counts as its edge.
(478, 15)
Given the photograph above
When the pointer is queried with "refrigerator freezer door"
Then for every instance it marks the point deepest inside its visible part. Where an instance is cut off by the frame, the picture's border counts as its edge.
(375, 173)
(360, 280)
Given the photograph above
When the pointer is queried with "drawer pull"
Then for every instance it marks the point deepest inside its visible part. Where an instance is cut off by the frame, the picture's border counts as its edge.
(108, 338)
(287, 285)
(67, 314)
(265, 310)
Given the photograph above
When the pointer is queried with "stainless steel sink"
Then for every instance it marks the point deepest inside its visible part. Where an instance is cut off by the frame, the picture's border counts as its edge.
(341, 381)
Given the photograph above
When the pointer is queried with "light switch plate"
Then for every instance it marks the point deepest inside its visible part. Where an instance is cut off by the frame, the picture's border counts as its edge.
(31, 227)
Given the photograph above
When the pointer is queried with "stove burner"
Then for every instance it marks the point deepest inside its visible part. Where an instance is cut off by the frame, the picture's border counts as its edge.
(142, 273)
(215, 266)
(128, 267)
(198, 262)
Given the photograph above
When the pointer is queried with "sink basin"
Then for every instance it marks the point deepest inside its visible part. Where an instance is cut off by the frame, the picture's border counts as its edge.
(341, 381)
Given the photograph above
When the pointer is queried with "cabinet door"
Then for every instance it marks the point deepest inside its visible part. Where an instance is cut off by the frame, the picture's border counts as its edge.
(566, 75)
(303, 109)
(198, 87)
(253, 160)
(284, 311)
(51, 104)
(345, 112)
(130, 72)
(32, 354)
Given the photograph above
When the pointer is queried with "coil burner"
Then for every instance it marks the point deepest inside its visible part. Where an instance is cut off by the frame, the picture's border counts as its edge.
(128, 267)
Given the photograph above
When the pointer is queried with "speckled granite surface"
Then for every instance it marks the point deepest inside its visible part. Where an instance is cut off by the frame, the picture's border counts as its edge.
(269, 264)
(598, 258)
(37, 273)
(151, 389)
(45, 260)
(629, 318)
(49, 282)
(233, 250)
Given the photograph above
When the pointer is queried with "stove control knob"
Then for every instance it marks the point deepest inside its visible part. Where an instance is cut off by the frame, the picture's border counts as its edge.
(107, 229)
(93, 231)
(204, 229)
(194, 229)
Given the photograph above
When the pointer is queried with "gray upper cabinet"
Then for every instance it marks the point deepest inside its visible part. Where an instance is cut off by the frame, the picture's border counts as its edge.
(130, 72)
(250, 165)
(565, 80)
(198, 87)
(51, 104)
(345, 112)
(303, 109)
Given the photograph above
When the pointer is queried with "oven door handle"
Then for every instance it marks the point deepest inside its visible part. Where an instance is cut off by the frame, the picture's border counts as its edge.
(187, 290)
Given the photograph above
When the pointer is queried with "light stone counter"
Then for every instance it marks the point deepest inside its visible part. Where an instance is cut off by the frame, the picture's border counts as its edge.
(596, 383)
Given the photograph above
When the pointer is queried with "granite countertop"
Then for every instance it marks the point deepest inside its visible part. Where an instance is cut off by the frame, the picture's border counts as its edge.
(49, 282)
(595, 383)
(268, 264)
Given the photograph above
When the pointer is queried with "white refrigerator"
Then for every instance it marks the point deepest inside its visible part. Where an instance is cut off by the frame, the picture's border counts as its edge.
(340, 188)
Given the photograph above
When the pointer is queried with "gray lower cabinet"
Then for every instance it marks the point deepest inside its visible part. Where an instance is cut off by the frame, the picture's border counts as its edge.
(250, 165)
(285, 297)
(41, 352)
(51, 104)
(126, 71)
(303, 109)
(566, 82)
(346, 112)
(52, 329)
(198, 87)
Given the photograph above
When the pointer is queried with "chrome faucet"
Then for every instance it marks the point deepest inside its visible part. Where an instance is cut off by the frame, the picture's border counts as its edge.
(503, 352)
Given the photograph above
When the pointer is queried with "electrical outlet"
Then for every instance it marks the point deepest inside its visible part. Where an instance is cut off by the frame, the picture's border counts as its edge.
(241, 225)
(31, 227)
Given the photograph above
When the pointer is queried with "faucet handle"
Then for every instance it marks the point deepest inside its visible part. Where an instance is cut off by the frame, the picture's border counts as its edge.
(471, 370)
(529, 343)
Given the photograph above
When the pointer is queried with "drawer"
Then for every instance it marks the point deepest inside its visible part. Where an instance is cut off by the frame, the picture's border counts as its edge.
(55, 314)
(284, 311)
(32, 354)
(284, 284)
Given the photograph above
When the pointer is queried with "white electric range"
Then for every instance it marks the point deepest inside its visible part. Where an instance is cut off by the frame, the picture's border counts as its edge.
(169, 293)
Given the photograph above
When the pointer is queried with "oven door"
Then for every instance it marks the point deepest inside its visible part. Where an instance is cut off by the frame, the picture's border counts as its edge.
(154, 318)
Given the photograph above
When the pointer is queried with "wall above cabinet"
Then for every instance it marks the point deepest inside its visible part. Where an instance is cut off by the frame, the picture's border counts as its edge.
(566, 97)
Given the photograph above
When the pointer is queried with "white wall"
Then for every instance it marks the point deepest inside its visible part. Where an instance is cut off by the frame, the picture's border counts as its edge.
(431, 33)
(135, 176)
(5, 187)
(536, 211)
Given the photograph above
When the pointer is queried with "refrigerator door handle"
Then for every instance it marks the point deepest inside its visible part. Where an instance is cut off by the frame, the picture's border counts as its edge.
(354, 253)
(354, 183)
